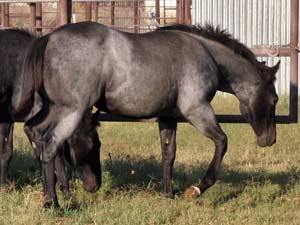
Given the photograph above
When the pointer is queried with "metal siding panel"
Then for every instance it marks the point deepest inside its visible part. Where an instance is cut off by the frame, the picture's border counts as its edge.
(253, 22)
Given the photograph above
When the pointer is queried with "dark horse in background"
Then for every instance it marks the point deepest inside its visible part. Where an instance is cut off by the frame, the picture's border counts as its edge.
(83, 147)
(169, 73)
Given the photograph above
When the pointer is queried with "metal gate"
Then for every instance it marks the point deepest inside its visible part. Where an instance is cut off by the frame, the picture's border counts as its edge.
(128, 15)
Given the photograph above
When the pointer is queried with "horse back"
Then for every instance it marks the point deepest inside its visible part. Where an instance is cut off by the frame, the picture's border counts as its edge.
(134, 75)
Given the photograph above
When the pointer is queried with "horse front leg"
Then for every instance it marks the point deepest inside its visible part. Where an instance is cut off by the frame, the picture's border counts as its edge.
(6, 150)
(203, 118)
(167, 132)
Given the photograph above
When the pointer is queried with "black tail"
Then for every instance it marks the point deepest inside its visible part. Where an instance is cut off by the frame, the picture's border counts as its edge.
(31, 79)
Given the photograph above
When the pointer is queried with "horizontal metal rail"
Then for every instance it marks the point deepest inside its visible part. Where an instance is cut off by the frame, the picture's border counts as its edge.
(105, 117)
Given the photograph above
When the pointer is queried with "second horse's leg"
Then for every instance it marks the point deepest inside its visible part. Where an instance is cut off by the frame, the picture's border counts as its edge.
(6, 150)
(61, 174)
(167, 132)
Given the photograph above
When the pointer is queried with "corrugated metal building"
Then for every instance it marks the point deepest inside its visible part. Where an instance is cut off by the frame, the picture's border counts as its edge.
(253, 22)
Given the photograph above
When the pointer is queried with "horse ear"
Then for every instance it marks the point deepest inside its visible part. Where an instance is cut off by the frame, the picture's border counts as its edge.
(270, 72)
(276, 67)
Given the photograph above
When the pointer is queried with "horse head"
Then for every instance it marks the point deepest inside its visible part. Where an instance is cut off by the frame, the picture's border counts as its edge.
(259, 108)
(84, 153)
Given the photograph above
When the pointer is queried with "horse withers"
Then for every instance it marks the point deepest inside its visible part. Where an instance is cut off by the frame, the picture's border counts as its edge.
(13, 46)
(169, 73)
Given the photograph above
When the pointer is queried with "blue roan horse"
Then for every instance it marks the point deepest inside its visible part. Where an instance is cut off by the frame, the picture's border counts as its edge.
(169, 73)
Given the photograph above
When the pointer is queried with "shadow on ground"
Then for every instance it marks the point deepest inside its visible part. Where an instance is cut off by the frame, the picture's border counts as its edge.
(124, 172)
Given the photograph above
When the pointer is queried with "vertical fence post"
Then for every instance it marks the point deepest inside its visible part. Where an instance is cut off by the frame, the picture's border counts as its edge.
(157, 10)
(112, 13)
(2, 13)
(187, 12)
(5, 15)
(32, 7)
(65, 8)
(136, 14)
(179, 13)
(96, 11)
(1, 5)
(39, 20)
(88, 11)
(293, 114)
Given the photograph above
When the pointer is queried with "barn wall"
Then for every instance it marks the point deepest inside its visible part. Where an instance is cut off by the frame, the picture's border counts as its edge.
(253, 22)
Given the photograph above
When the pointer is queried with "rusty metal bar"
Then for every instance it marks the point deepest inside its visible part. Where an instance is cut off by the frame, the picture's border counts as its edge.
(293, 113)
(88, 11)
(271, 51)
(39, 19)
(96, 11)
(157, 10)
(187, 12)
(136, 14)
(112, 13)
(179, 11)
(5, 15)
(2, 13)
(65, 8)
(32, 7)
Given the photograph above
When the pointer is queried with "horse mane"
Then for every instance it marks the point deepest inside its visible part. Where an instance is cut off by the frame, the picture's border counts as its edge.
(219, 35)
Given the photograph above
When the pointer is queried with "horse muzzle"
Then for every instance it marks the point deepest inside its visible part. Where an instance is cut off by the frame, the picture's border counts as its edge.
(265, 141)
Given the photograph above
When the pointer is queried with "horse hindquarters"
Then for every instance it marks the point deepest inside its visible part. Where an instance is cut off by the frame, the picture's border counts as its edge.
(6, 150)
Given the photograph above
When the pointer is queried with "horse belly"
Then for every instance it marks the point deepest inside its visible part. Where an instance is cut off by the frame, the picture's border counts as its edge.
(141, 103)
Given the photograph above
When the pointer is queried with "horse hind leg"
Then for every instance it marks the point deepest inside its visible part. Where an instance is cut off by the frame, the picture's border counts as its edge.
(203, 118)
(6, 150)
(60, 171)
(51, 133)
(55, 139)
(167, 132)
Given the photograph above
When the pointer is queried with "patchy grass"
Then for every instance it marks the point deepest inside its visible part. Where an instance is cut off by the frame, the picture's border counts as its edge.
(255, 186)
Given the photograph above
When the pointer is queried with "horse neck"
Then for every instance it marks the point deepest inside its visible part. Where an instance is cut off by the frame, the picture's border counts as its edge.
(237, 75)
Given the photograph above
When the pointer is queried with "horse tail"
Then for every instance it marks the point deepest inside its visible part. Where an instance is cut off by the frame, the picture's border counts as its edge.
(26, 92)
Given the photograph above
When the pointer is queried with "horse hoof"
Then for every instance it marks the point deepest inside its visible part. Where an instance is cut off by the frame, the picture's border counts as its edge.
(169, 195)
(50, 203)
(191, 193)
